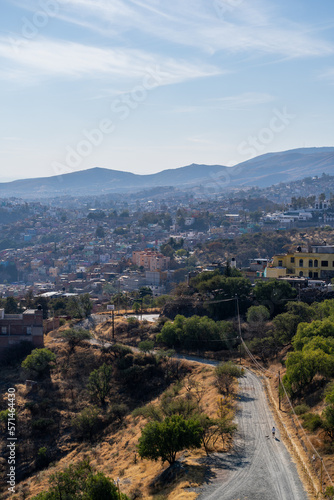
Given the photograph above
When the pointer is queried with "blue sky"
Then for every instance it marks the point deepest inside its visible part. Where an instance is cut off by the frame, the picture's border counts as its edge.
(146, 85)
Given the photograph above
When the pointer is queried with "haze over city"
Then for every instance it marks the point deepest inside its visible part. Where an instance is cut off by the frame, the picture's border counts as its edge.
(145, 86)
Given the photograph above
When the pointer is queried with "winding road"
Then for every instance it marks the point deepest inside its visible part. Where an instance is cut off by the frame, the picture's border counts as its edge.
(259, 467)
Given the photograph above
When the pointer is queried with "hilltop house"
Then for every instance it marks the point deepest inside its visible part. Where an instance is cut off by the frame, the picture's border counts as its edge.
(315, 262)
(15, 328)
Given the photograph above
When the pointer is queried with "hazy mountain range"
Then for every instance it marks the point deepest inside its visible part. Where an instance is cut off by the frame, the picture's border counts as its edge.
(262, 171)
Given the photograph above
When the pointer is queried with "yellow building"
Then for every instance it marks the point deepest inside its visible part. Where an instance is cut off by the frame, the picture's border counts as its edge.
(315, 262)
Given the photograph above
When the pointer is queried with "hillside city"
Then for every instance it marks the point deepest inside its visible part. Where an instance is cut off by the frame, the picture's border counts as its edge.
(134, 330)
(76, 246)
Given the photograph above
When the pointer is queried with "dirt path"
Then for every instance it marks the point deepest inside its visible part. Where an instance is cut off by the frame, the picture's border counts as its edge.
(260, 467)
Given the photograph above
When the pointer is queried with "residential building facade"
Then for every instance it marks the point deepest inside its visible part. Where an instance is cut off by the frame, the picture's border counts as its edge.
(15, 328)
(314, 262)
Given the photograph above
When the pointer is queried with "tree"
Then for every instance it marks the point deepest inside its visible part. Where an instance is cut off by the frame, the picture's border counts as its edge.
(165, 439)
(328, 420)
(100, 233)
(257, 314)
(80, 481)
(11, 306)
(75, 338)
(80, 307)
(274, 294)
(306, 331)
(146, 346)
(225, 374)
(39, 361)
(301, 368)
(99, 383)
(285, 325)
(86, 422)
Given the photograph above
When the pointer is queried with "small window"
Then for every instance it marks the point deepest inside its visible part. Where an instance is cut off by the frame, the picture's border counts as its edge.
(292, 260)
(29, 330)
(324, 263)
(4, 330)
(301, 263)
(315, 275)
(310, 263)
(280, 263)
(310, 274)
(316, 263)
(301, 274)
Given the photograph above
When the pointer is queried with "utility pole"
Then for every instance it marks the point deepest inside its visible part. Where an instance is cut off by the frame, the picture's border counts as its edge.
(239, 325)
(119, 291)
(279, 390)
(321, 473)
(113, 323)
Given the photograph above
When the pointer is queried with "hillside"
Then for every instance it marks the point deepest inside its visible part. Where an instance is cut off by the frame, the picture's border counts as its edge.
(47, 416)
(262, 171)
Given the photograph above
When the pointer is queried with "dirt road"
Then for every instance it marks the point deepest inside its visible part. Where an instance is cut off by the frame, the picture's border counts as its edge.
(260, 467)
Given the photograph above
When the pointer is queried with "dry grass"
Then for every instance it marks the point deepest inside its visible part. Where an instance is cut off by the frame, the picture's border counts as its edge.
(116, 453)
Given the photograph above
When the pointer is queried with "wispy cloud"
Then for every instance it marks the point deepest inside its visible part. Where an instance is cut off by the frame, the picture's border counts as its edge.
(245, 27)
(234, 102)
(327, 75)
(243, 101)
(43, 57)
(196, 23)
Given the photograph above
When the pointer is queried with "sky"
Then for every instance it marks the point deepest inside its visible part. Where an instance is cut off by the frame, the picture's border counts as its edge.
(147, 85)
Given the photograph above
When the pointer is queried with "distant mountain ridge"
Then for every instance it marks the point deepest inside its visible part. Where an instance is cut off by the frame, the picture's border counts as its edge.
(262, 171)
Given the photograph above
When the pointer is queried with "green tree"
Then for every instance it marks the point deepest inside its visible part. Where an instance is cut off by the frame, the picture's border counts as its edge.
(39, 361)
(99, 383)
(80, 481)
(11, 306)
(74, 338)
(165, 439)
(80, 307)
(225, 374)
(301, 368)
(257, 314)
(306, 331)
(146, 346)
(285, 326)
(328, 420)
(274, 294)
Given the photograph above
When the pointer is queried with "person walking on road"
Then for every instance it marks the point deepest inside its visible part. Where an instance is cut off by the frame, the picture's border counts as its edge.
(273, 430)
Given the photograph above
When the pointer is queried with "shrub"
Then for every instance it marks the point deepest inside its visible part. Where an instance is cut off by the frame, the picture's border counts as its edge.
(75, 338)
(42, 424)
(312, 421)
(80, 481)
(39, 361)
(146, 346)
(301, 409)
(86, 422)
(99, 384)
(149, 411)
(42, 459)
(117, 411)
(225, 375)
